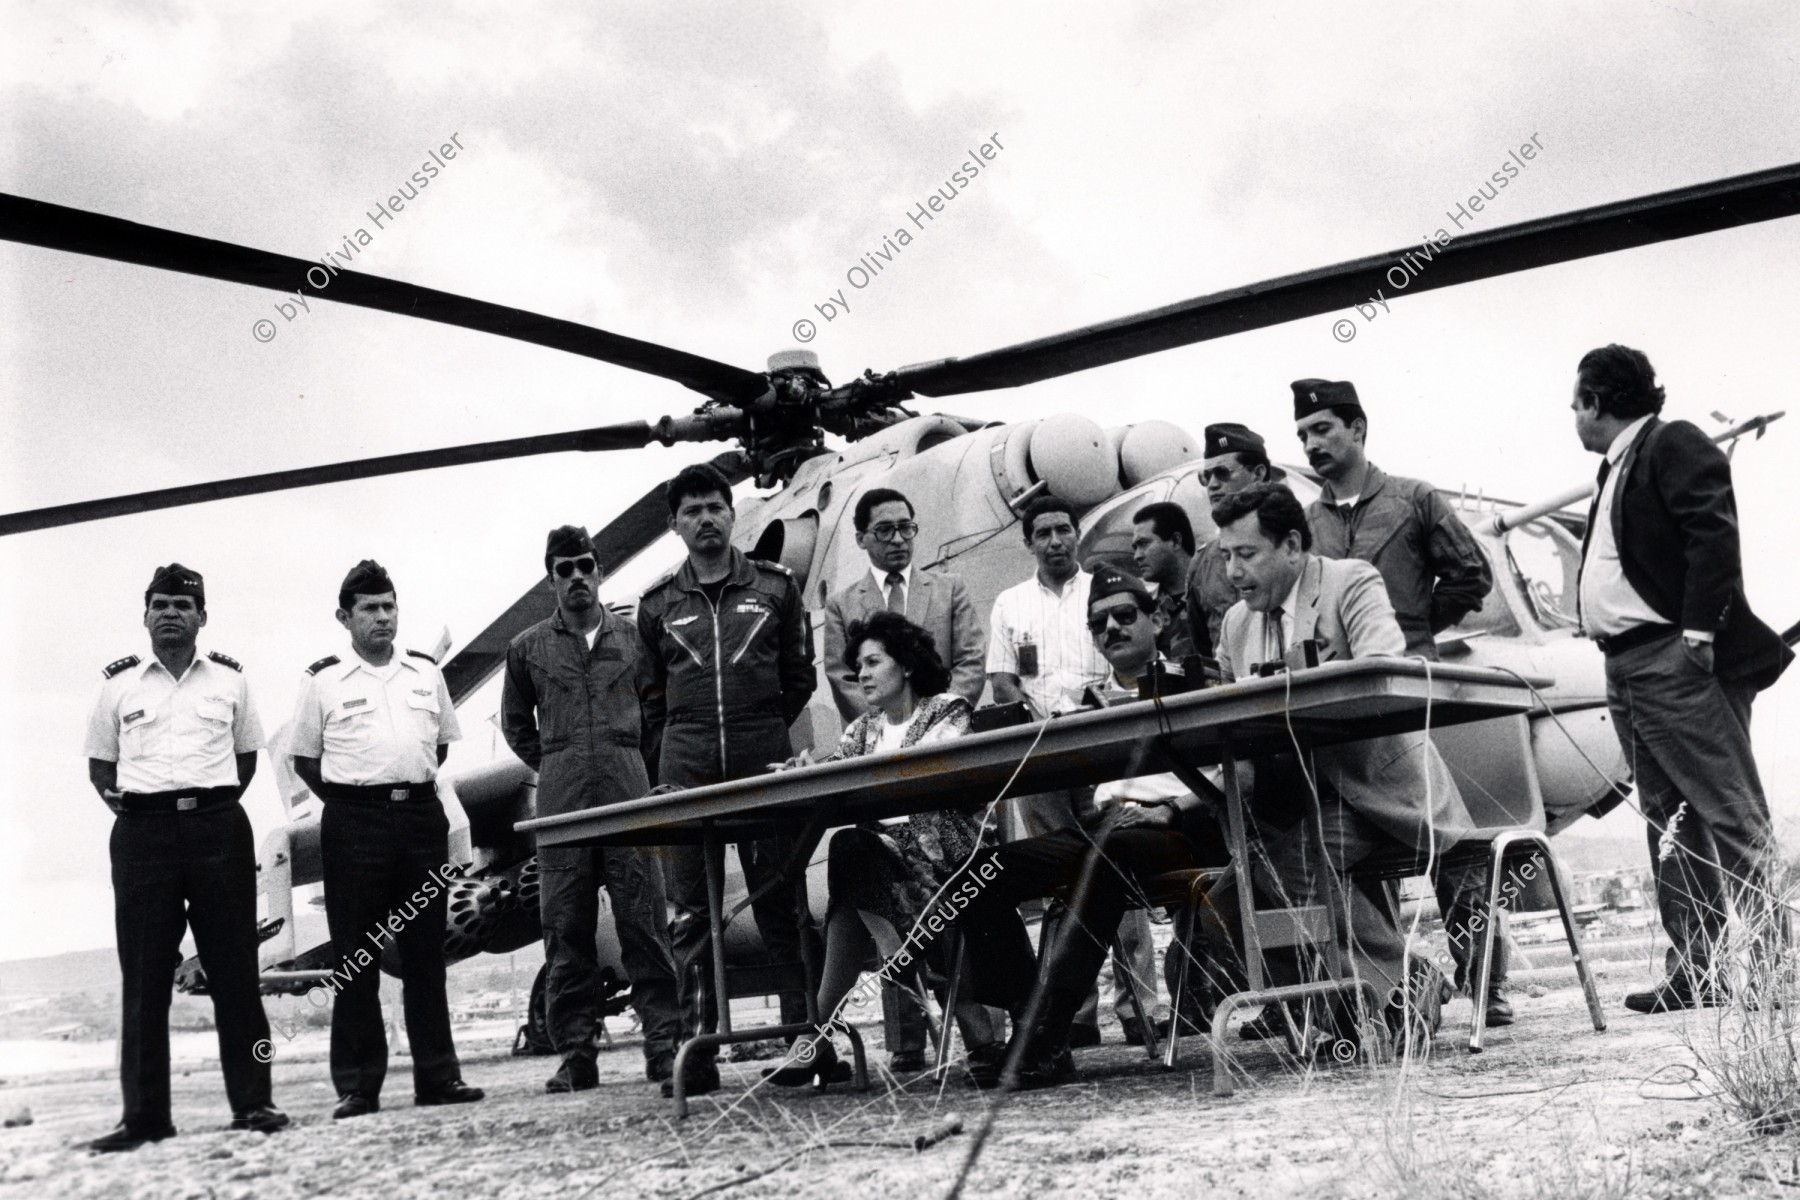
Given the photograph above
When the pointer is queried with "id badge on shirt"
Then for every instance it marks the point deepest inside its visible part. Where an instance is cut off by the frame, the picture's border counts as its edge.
(1027, 654)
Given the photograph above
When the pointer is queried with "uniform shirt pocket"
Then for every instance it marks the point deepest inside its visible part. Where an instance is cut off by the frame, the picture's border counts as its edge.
(134, 728)
(215, 721)
(425, 711)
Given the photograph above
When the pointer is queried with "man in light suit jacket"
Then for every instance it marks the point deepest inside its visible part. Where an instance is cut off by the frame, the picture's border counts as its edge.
(1662, 595)
(937, 603)
(1375, 795)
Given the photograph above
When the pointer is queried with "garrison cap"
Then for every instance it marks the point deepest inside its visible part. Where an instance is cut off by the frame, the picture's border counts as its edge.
(366, 578)
(1110, 581)
(1311, 395)
(568, 541)
(177, 580)
(1230, 438)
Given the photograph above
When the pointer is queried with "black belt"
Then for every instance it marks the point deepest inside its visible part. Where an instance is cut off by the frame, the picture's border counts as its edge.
(180, 800)
(1637, 635)
(378, 793)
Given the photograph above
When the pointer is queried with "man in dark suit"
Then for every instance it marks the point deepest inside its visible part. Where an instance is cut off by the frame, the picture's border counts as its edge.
(1662, 595)
(937, 603)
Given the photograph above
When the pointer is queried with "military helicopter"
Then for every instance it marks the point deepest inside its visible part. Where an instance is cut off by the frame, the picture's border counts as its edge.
(968, 479)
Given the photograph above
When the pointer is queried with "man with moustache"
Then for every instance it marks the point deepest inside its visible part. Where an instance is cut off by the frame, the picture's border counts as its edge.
(1039, 651)
(1235, 458)
(571, 708)
(1434, 570)
(1162, 547)
(370, 730)
(171, 746)
(731, 657)
(939, 604)
(1662, 595)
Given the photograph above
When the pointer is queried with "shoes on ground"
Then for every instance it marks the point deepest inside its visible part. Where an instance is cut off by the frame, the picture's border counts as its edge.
(264, 1118)
(906, 1062)
(659, 1066)
(355, 1104)
(1134, 1029)
(822, 1066)
(454, 1092)
(577, 1074)
(1499, 1009)
(698, 1079)
(1674, 994)
(129, 1137)
(1082, 1036)
(1264, 1025)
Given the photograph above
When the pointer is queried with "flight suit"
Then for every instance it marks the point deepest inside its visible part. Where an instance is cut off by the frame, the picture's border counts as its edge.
(575, 716)
(182, 854)
(383, 836)
(728, 680)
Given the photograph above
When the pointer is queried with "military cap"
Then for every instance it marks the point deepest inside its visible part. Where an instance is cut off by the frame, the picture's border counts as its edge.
(366, 578)
(1110, 581)
(1231, 438)
(177, 580)
(568, 541)
(1311, 395)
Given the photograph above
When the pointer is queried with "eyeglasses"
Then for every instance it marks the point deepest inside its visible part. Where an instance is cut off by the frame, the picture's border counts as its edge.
(1217, 475)
(904, 531)
(1124, 616)
(568, 567)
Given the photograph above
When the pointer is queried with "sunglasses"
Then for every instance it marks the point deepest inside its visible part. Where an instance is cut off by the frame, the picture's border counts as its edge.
(1217, 474)
(1124, 616)
(568, 567)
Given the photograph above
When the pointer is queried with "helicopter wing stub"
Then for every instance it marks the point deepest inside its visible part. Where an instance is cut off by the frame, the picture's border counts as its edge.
(1664, 216)
(621, 540)
(630, 436)
(55, 227)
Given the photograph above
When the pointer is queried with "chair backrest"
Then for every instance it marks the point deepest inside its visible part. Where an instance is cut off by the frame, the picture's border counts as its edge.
(1495, 770)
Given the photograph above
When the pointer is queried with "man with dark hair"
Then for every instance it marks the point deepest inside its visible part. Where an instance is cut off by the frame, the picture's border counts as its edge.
(1162, 547)
(370, 730)
(1235, 459)
(572, 710)
(1371, 794)
(1434, 569)
(171, 746)
(1039, 651)
(940, 604)
(731, 656)
(935, 601)
(1662, 594)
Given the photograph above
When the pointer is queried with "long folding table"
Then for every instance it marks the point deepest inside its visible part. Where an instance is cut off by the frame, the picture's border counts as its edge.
(1292, 711)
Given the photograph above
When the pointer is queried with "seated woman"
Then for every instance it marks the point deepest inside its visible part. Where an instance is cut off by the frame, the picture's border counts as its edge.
(882, 876)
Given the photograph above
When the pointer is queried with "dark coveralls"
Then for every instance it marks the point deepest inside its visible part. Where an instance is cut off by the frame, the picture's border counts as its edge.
(575, 717)
(729, 680)
(182, 856)
(1436, 575)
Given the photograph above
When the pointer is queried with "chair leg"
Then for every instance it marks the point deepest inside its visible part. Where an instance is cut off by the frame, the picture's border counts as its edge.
(1184, 934)
(951, 989)
(1484, 958)
(1146, 1013)
(1588, 988)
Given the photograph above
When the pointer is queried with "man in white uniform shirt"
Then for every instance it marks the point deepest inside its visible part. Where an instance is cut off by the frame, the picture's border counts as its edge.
(369, 732)
(1039, 651)
(171, 746)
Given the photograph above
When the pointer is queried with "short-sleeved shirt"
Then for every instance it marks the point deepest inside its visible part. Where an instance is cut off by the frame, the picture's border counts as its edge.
(369, 725)
(1067, 663)
(167, 733)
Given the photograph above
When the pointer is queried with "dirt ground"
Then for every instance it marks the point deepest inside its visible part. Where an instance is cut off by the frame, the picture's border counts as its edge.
(1551, 1109)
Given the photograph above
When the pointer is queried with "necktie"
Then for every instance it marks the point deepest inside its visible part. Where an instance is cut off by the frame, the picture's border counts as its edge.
(1587, 536)
(896, 593)
(1274, 627)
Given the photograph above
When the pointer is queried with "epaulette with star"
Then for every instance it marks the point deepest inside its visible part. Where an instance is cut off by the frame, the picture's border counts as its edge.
(123, 664)
(423, 655)
(330, 660)
(225, 660)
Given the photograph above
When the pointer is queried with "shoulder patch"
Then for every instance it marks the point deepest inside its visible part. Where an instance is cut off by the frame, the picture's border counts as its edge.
(330, 660)
(123, 664)
(225, 660)
(423, 655)
(766, 565)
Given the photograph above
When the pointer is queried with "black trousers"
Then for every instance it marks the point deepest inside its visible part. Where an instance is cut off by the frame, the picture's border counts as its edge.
(170, 871)
(376, 860)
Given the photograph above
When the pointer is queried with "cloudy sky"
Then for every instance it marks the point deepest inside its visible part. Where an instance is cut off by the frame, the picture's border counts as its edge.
(701, 176)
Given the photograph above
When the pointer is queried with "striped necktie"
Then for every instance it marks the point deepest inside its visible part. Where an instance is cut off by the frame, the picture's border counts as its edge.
(896, 593)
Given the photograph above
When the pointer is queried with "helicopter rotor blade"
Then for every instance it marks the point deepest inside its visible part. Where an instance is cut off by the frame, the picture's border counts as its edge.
(630, 436)
(621, 540)
(1664, 216)
(55, 227)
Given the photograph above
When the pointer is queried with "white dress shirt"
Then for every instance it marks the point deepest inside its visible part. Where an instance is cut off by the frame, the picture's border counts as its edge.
(369, 725)
(1609, 604)
(1068, 664)
(881, 587)
(167, 733)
